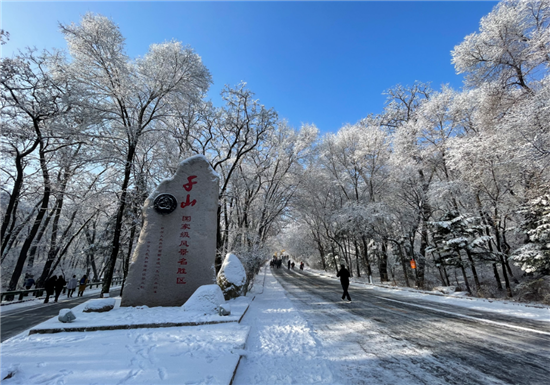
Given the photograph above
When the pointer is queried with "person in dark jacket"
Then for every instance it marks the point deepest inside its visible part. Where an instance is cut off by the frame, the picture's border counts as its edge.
(344, 280)
(29, 282)
(59, 285)
(50, 287)
(82, 285)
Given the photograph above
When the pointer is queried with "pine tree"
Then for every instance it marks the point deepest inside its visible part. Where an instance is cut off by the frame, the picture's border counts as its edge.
(534, 256)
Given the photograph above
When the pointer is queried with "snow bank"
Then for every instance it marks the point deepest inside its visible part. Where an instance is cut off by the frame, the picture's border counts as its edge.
(205, 300)
(121, 317)
(99, 305)
(205, 354)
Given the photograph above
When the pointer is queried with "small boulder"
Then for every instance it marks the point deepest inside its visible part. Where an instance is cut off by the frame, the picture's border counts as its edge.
(206, 300)
(66, 315)
(99, 305)
(232, 277)
(224, 309)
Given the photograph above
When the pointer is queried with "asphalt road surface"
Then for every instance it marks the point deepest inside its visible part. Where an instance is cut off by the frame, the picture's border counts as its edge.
(15, 321)
(418, 341)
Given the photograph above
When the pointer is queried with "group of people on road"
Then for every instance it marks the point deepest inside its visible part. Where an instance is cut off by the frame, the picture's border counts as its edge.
(292, 264)
(343, 274)
(276, 263)
(55, 284)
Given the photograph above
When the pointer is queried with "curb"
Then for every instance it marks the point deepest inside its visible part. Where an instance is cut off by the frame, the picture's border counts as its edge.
(126, 327)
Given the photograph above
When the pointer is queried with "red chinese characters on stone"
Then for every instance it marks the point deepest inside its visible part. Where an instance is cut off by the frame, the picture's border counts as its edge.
(181, 271)
(189, 185)
(188, 202)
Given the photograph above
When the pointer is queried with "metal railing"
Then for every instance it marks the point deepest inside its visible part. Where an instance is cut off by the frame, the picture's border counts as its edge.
(10, 295)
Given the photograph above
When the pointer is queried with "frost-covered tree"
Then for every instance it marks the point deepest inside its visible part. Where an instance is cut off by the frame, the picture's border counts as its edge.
(133, 96)
(534, 256)
(226, 136)
(511, 48)
(413, 164)
(33, 102)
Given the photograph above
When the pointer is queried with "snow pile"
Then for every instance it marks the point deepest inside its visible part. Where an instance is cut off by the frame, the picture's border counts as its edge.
(99, 305)
(205, 300)
(232, 277)
(445, 289)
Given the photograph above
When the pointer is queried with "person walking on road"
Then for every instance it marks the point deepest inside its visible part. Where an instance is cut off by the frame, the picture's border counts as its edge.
(59, 285)
(82, 286)
(289, 264)
(71, 286)
(344, 280)
(50, 287)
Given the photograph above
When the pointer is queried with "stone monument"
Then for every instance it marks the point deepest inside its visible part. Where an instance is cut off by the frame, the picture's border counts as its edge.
(177, 245)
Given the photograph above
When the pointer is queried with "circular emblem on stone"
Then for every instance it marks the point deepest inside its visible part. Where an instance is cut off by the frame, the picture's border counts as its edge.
(165, 203)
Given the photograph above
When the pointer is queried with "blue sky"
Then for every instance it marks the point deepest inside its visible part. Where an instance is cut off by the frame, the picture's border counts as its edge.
(326, 63)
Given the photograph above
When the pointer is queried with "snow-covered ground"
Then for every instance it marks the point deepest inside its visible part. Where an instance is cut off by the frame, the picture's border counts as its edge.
(281, 346)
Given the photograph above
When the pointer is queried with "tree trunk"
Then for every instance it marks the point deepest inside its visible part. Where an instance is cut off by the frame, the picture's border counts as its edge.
(474, 271)
(37, 222)
(366, 256)
(9, 215)
(334, 257)
(463, 272)
(126, 264)
(446, 275)
(383, 263)
(357, 258)
(421, 259)
(321, 250)
(111, 263)
(403, 264)
(34, 248)
(506, 280)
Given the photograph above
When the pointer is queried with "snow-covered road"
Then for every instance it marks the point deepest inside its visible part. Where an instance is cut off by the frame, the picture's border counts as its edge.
(311, 336)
